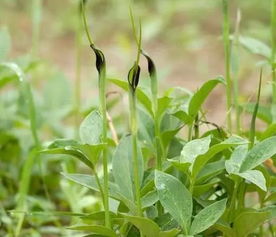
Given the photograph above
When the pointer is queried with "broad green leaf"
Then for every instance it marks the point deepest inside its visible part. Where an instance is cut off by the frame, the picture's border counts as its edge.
(91, 128)
(207, 217)
(145, 225)
(141, 95)
(175, 198)
(68, 150)
(234, 163)
(96, 229)
(200, 96)
(195, 148)
(5, 43)
(247, 222)
(203, 159)
(255, 46)
(259, 153)
(122, 167)
(263, 112)
(256, 177)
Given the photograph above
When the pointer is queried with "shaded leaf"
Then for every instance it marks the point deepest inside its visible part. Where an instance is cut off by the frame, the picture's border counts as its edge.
(256, 177)
(97, 229)
(247, 222)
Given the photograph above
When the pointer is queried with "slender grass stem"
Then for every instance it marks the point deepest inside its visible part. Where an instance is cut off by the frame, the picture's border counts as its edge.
(101, 67)
(273, 54)
(36, 21)
(235, 70)
(226, 29)
(77, 86)
(254, 115)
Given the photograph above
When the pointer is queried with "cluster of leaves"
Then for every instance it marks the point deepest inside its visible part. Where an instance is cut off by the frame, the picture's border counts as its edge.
(155, 180)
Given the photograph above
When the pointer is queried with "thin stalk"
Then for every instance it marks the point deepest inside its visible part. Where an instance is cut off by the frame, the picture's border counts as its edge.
(254, 115)
(232, 205)
(160, 151)
(226, 29)
(133, 80)
(77, 85)
(235, 69)
(273, 54)
(101, 67)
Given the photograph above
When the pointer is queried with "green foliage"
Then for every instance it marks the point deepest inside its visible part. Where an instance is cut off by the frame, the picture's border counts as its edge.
(101, 177)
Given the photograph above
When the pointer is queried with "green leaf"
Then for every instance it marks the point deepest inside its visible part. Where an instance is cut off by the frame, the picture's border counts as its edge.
(247, 222)
(256, 177)
(5, 43)
(122, 166)
(255, 46)
(96, 229)
(203, 159)
(162, 106)
(207, 217)
(68, 150)
(195, 148)
(145, 225)
(91, 128)
(183, 116)
(259, 153)
(234, 163)
(210, 170)
(141, 95)
(200, 96)
(175, 198)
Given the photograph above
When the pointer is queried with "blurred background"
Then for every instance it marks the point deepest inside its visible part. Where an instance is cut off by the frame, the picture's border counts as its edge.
(183, 37)
(46, 39)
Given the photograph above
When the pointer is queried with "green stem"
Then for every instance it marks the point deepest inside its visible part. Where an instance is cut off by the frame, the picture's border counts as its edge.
(102, 90)
(273, 43)
(77, 86)
(235, 69)
(133, 123)
(227, 63)
(102, 93)
(232, 206)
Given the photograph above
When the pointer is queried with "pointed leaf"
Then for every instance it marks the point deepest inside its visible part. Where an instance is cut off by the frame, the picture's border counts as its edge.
(259, 153)
(195, 148)
(96, 229)
(208, 217)
(200, 96)
(256, 177)
(234, 163)
(174, 197)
